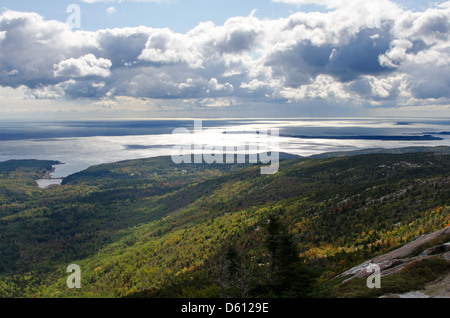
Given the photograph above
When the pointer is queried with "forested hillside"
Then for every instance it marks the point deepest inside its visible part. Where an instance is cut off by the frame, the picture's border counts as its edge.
(151, 228)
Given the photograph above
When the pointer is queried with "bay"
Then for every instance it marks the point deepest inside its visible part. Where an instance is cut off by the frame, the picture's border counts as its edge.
(82, 144)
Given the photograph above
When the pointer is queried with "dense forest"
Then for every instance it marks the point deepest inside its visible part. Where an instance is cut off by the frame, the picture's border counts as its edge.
(152, 228)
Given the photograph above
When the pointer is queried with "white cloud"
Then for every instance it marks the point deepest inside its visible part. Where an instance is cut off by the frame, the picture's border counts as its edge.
(322, 87)
(2, 36)
(45, 92)
(217, 102)
(214, 85)
(87, 65)
(111, 11)
(396, 54)
(343, 54)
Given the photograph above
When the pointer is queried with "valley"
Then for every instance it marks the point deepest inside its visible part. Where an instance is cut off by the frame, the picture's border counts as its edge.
(152, 228)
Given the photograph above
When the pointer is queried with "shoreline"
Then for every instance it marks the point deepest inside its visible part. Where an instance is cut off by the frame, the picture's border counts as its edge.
(46, 180)
(48, 174)
(287, 156)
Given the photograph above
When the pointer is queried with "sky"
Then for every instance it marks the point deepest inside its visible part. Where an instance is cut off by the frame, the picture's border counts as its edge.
(215, 58)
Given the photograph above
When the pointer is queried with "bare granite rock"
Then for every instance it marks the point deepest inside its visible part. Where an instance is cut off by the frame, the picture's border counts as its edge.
(407, 249)
(395, 261)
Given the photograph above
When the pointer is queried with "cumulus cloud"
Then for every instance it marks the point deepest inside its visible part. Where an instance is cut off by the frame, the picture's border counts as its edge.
(87, 65)
(111, 10)
(165, 47)
(357, 51)
(32, 46)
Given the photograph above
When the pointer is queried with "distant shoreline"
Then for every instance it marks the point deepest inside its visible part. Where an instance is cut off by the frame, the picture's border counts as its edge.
(46, 180)
(47, 174)
(283, 155)
(382, 138)
(366, 151)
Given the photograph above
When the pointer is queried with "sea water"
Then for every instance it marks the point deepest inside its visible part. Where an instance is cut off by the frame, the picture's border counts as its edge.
(80, 144)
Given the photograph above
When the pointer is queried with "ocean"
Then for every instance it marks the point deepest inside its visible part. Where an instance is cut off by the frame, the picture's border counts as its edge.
(80, 144)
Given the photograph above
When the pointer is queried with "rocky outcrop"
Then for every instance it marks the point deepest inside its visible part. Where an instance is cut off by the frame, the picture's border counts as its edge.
(417, 250)
(409, 248)
(439, 249)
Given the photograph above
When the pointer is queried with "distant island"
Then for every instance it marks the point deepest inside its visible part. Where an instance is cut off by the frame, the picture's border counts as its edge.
(383, 138)
(438, 133)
